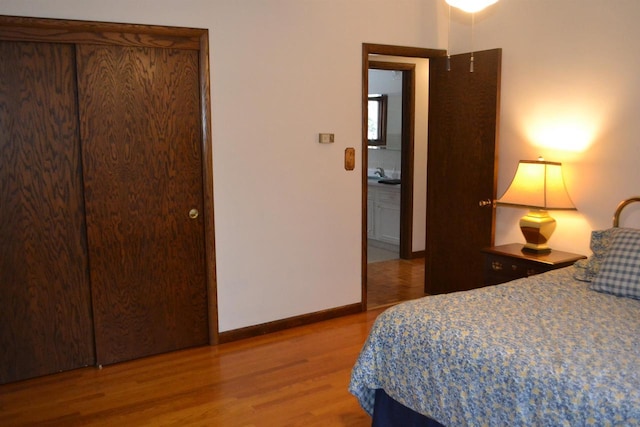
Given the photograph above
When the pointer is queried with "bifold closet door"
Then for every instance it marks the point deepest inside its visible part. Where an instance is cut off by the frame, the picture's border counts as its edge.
(45, 306)
(141, 150)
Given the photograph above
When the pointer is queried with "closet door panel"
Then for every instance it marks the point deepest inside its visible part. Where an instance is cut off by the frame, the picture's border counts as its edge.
(45, 308)
(140, 132)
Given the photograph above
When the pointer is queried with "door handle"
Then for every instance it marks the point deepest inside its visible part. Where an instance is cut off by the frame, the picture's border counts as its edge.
(485, 202)
(193, 213)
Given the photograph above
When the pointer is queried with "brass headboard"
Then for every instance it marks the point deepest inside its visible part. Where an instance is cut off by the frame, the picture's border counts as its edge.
(616, 216)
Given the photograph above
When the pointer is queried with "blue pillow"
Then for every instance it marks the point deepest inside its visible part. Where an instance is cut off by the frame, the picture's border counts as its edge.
(620, 272)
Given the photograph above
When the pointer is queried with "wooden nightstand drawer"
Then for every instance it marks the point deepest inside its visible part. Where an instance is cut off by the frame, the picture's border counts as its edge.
(508, 262)
(503, 269)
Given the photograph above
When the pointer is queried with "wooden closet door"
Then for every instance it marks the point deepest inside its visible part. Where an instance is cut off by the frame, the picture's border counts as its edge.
(45, 308)
(140, 133)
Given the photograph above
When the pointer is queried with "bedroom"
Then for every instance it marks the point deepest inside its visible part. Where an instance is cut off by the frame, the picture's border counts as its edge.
(565, 63)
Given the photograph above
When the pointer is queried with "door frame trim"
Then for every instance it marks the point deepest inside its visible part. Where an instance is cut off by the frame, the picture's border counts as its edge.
(207, 177)
(388, 50)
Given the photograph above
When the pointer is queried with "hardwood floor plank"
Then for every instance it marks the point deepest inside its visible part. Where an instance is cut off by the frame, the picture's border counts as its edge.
(393, 281)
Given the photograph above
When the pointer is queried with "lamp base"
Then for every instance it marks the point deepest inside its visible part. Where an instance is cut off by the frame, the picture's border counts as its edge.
(537, 227)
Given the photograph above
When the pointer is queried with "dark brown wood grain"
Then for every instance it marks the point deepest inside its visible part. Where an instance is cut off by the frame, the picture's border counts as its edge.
(140, 130)
(45, 312)
(102, 33)
(207, 186)
(509, 262)
(155, 143)
(461, 168)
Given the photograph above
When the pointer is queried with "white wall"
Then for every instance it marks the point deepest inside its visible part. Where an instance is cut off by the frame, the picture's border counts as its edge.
(288, 216)
(571, 93)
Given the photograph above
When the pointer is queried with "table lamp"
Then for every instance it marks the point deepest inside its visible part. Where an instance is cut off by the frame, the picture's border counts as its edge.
(537, 185)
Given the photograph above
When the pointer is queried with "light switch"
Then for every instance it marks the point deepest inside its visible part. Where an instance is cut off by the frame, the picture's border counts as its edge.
(326, 138)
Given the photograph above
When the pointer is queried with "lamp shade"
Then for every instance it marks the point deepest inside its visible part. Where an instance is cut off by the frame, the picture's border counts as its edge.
(538, 184)
(471, 6)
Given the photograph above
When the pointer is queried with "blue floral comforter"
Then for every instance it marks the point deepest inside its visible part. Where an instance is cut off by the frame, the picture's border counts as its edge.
(543, 351)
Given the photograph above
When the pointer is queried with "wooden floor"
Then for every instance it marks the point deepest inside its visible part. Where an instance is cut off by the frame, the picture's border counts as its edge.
(296, 377)
(389, 282)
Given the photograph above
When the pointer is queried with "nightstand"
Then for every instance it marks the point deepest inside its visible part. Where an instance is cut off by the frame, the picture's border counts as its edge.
(509, 262)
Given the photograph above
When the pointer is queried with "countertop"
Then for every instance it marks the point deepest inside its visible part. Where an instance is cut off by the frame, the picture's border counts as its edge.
(373, 182)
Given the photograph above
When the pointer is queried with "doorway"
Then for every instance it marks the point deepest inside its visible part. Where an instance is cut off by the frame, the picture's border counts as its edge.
(464, 105)
(390, 159)
(405, 269)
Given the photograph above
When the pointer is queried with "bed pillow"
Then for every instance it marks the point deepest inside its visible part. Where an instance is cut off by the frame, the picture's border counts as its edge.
(580, 271)
(620, 272)
(587, 270)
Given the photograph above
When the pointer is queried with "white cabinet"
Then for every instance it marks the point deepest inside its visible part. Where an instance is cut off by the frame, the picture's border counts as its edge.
(383, 213)
(371, 213)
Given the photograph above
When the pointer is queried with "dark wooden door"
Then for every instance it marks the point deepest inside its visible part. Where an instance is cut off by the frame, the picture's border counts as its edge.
(45, 307)
(461, 168)
(141, 149)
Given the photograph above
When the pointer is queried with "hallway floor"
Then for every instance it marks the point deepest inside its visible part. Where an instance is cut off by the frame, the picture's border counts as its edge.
(393, 281)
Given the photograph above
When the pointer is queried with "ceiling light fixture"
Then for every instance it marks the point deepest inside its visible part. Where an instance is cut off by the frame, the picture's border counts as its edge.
(471, 6)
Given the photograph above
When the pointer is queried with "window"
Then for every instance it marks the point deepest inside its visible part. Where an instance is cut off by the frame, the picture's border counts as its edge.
(377, 126)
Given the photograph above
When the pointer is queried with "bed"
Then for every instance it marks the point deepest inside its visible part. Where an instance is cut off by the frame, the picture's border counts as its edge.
(560, 348)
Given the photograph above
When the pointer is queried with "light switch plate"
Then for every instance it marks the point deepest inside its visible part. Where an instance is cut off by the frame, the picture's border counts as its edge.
(326, 138)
